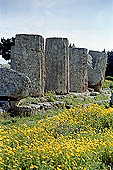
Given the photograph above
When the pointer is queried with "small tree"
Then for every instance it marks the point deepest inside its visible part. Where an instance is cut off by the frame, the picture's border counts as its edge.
(5, 47)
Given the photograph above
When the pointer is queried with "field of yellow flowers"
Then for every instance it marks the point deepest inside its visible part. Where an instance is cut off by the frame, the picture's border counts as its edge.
(80, 138)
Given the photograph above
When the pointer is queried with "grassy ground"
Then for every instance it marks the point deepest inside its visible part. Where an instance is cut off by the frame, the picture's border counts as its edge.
(71, 101)
(78, 138)
(108, 83)
(7, 120)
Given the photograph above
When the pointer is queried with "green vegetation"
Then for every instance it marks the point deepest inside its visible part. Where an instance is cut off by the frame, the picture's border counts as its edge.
(108, 83)
(51, 96)
(109, 78)
(80, 138)
(70, 101)
(8, 120)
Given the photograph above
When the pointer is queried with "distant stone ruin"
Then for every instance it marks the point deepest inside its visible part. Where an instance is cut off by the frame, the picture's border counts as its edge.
(78, 69)
(57, 65)
(96, 69)
(27, 56)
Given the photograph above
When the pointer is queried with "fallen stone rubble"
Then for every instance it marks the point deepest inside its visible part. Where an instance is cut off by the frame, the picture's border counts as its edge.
(14, 86)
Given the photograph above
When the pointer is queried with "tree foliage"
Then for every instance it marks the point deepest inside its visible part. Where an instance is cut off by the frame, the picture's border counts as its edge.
(5, 47)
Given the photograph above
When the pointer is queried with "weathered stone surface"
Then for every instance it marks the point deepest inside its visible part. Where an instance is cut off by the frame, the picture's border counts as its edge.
(78, 69)
(24, 110)
(94, 78)
(4, 65)
(5, 106)
(106, 91)
(90, 89)
(57, 65)
(27, 56)
(94, 93)
(111, 100)
(33, 109)
(13, 85)
(1, 111)
(97, 62)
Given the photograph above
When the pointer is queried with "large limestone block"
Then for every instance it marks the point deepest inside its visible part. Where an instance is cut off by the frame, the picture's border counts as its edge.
(57, 65)
(27, 56)
(78, 69)
(111, 100)
(95, 78)
(13, 85)
(97, 62)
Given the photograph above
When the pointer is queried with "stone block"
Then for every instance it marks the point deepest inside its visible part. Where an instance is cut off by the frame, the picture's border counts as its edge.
(99, 61)
(13, 87)
(111, 100)
(28, 57)
(78, 69)
(13, 84)
(96, 69)
(57, 65)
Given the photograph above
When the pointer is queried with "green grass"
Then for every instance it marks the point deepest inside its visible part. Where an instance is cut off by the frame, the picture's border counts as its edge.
(109, 78)
(107, 84)
(72, 100)
(7, 120)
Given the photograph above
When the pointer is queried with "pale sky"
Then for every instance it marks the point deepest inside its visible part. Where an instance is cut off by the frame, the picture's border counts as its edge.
(86, 23)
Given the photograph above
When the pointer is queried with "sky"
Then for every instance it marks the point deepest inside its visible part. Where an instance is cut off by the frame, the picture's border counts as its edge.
(86, 23)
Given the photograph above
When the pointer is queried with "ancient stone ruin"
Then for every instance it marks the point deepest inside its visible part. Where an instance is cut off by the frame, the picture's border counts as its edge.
(60, 67)
(78, 69)
(14, 86)
(57, 65)
(27, 56)
(97, 62)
